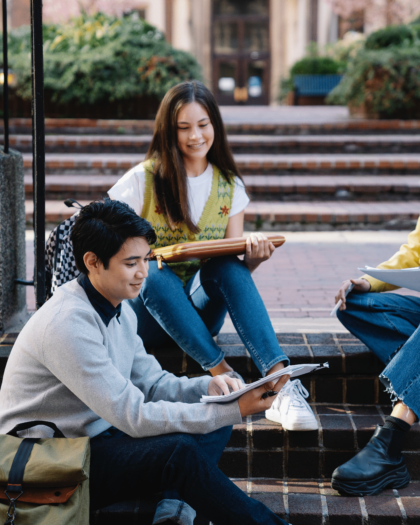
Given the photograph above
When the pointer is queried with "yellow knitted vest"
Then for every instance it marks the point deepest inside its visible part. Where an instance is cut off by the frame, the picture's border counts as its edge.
(212, 224)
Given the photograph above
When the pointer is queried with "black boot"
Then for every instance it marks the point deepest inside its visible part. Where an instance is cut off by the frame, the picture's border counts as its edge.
(378, 466)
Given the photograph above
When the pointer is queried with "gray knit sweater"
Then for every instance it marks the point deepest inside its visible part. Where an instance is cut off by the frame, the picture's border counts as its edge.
(69, 368)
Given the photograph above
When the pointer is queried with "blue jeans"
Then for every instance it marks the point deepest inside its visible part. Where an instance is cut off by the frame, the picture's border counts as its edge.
(389, 324)
(191, 316)
(124, 468)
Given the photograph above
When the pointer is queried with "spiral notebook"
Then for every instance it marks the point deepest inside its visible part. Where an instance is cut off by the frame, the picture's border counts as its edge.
(292, 370)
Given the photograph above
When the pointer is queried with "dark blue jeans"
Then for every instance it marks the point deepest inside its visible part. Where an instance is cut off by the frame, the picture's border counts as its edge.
(191, 316)
(124, 468)
(389, 324)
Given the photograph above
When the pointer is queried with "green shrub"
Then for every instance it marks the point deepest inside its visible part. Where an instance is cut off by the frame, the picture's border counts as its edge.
(392, 36)
(316, 66)
(387, 81)
(101, 58)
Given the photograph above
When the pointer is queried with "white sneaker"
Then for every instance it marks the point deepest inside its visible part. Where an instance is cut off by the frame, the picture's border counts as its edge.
(290, 408)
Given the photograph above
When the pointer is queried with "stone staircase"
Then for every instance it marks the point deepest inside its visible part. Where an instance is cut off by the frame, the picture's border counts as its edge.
(330, 175)
(290, 471)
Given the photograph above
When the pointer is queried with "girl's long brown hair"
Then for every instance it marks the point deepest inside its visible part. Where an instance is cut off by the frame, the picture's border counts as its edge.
(170, 178)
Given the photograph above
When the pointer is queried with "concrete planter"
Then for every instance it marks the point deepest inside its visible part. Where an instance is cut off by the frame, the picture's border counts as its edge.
(362, 111)
(12, 240)
(365, 112)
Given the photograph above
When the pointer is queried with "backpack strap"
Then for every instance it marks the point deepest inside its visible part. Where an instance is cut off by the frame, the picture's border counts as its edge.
(14, 484)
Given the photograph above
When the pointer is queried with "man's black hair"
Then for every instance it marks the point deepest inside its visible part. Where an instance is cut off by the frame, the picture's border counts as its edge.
(102, 227)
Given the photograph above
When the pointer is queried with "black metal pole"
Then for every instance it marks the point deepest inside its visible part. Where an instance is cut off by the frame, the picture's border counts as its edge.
(5, 81)
(38, 149)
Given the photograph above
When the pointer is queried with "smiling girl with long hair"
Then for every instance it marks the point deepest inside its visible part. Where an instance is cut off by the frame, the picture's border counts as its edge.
(189, 188)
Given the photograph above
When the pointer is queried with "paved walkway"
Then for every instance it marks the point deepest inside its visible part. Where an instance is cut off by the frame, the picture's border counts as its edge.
(299, 282)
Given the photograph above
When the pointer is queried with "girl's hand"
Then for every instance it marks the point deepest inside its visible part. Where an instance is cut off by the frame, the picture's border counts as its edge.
(360, 286)
(252, 402)
(220, 384)
(258, 250)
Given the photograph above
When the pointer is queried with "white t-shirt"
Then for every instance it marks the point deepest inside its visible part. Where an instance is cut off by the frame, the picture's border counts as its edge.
(130, 189)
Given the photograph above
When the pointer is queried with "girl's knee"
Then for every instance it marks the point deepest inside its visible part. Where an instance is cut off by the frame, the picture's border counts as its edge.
(158, 281)
(228, 265)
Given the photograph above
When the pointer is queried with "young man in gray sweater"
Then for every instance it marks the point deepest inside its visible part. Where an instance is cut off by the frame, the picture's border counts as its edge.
(79, 363)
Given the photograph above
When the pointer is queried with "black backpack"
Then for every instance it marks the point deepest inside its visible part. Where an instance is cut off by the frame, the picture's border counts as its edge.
(60, 266)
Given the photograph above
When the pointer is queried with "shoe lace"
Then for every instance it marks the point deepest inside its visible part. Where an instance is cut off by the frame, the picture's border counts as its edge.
(297, 391)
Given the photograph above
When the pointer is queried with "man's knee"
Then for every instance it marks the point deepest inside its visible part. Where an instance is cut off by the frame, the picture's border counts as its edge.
(185, 449)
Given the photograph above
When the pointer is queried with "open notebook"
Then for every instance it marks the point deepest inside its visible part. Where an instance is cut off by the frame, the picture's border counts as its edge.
(292, 370)
(406, 278)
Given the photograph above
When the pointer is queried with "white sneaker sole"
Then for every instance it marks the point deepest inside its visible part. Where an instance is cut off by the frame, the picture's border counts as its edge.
(302, 425)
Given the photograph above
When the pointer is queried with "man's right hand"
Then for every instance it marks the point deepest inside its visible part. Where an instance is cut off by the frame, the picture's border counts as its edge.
(360, 286)
(252, 402)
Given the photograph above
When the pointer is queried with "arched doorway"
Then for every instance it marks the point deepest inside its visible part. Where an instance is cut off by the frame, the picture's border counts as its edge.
(241, 51)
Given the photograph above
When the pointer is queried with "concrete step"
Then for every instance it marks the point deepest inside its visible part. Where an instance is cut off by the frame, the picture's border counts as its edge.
(300, 502)
(264, 164)
(288, 216)
(239, 144)
(83, 187)
(328, 187)
(256, 126)
(260, 187)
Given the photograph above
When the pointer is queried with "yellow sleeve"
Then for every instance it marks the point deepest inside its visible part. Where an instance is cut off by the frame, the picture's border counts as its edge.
(408, 256)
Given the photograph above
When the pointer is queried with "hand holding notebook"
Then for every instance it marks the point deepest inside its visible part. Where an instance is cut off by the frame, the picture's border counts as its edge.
(292, 370)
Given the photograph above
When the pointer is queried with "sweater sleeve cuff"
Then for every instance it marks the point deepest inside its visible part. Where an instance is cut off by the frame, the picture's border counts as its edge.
(377, 286)
(205, 385)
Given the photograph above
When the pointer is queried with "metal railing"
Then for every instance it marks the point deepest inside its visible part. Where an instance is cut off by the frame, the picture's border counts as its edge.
(38, 149)
(38, 140)
(5, 80)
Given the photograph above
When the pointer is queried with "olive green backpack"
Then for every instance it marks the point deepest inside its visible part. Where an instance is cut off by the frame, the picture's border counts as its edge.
(44, 481)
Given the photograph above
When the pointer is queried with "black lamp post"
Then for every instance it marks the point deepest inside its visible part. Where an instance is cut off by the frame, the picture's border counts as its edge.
(5, 80)
(38, 148)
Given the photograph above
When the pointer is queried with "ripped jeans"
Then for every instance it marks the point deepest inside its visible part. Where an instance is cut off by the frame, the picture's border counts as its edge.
(389, 324)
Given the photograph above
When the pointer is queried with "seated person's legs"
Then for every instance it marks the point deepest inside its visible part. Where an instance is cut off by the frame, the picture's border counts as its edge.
(383, 322)
(194, 314)
(162, 294)
(170, 462)
(381, 464)
(389, 325)
(122, 450)
(226, 282)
